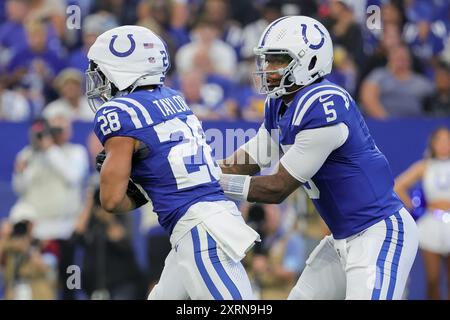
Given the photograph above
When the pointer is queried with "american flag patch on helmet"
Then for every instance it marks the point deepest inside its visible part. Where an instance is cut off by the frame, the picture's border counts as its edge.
(148, 45)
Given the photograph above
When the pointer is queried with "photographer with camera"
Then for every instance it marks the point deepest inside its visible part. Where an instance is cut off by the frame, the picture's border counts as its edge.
(29, 266)
(49, 175)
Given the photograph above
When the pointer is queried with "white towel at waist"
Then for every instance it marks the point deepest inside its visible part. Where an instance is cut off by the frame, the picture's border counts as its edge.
(223, 221)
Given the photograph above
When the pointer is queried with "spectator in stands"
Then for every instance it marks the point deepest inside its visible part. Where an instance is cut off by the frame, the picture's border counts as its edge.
(12, 31)
(157, 16)
(207, 51)
(252, 32)
(250, 37)
(13, 34)
(251, 102)
(210, 97)
(389, 38)
(391, 15)
(344, 70)
(49, 175)
(123, 11)
(35, 65)
(426, 39)
(434, 226)
(72, 103)
(396, 90)
(344, 30)
(152, 14)
(218, 14)
(439, 103)
(93, 26)
(53, 11)
(179, 21)
(13, 105)
(276, 265)
(29, 265)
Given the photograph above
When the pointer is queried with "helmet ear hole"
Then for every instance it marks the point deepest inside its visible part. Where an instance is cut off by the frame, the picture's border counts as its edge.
(312, 63)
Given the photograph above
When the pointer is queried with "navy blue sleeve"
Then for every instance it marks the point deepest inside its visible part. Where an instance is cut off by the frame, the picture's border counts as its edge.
(114, 120)
(325, 108)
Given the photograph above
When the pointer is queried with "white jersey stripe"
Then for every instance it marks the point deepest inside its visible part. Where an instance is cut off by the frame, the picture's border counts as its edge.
(306, 94)
(297, 120)
(136, 103)
(389, 259)
(134, 117)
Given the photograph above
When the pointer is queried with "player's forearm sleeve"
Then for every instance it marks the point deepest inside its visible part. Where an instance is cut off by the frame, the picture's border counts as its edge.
(311, 148)
(262, 148)
(235, 186)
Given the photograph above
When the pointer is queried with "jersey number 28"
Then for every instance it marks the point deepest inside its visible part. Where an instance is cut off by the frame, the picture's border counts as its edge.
(192, 146)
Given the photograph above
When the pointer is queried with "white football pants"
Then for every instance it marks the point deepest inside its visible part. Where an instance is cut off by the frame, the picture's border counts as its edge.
(373, 264)
(198, 269)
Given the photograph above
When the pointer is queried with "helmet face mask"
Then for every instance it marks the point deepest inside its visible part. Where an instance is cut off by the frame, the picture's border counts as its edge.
(287, 62)
(98, 87)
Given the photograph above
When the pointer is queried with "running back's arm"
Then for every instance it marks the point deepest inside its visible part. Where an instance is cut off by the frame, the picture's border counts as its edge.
(115, 174)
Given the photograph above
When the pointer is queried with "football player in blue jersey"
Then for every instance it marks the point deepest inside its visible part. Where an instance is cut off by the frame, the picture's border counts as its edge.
(326, 147)
(155, 150)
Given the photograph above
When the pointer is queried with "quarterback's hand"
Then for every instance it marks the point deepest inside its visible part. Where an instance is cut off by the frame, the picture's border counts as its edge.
(99, 159)
(135, 194)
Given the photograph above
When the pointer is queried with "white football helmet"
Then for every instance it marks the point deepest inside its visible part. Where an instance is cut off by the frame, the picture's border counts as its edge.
(307, 46)
(124, 58)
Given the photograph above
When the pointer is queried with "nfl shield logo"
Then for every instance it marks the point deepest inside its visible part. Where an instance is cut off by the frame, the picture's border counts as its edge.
(152, 60)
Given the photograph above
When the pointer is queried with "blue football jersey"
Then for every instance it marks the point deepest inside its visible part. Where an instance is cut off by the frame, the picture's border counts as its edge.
(354, 187)
(179, 170)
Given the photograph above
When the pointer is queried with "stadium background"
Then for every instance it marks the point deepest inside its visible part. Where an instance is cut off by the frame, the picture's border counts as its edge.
(210, 42)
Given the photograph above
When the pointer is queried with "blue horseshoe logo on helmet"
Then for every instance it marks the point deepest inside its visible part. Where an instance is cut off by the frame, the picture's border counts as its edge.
(122, 54)
(313, 46)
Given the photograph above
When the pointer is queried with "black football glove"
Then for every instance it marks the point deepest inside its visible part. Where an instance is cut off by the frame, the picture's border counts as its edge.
(135, 194)
(99, 159)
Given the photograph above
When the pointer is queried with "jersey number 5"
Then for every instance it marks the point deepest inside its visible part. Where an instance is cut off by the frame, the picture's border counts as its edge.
(331, 113)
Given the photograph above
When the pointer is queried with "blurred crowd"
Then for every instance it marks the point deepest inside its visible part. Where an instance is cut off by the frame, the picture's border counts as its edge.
(392, 56)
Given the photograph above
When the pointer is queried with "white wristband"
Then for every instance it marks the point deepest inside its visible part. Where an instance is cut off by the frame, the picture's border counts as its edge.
(235, 186)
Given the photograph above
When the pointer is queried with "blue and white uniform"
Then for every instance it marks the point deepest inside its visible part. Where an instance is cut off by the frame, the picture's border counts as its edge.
(326, 145)
(180, 177)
